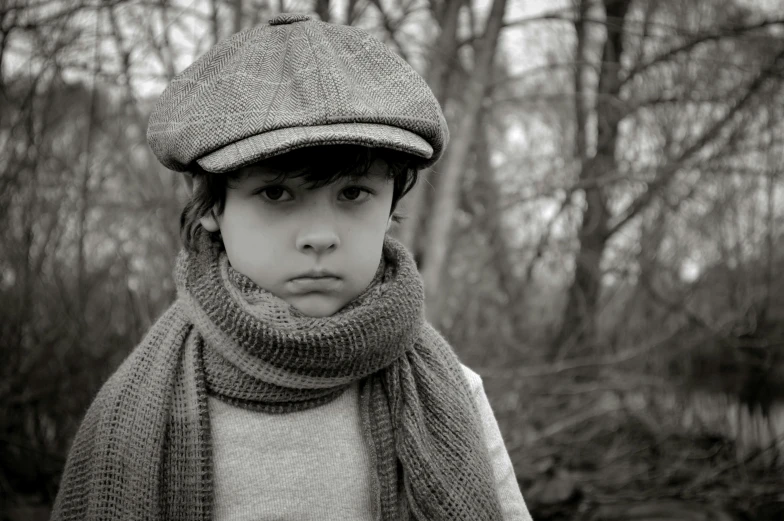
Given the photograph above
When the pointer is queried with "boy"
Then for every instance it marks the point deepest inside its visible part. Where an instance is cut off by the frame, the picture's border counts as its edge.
(295, 377)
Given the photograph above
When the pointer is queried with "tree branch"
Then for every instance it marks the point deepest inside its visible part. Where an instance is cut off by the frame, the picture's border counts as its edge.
(667, 174)
(734, 32)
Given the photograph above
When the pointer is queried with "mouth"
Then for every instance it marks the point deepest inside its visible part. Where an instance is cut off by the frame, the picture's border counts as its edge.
(316, 274)
(314, 284)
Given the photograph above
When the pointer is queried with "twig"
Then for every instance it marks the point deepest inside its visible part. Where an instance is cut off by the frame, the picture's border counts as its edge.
(584, 362)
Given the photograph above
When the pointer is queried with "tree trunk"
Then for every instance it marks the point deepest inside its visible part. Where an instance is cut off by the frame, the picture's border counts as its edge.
(237, 16)
(441, 62)
(445, 202)
(578, 323)
(351, 7)
(322, 9)
(487, 188)
(214, 22)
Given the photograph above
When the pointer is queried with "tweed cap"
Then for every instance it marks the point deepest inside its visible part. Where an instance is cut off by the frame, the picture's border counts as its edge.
(291, 83)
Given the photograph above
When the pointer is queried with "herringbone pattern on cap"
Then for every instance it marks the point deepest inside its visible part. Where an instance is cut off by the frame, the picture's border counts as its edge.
(275, 88)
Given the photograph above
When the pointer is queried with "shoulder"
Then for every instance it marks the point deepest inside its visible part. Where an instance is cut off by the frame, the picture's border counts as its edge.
(473, 378)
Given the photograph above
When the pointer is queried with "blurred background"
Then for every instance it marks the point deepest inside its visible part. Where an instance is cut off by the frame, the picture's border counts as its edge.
(602, 241)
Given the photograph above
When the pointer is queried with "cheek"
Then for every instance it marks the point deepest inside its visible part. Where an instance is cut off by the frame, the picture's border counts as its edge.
(369, 241)
(251, 246)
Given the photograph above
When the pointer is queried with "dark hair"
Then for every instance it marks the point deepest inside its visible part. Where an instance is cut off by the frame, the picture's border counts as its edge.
(318, 165)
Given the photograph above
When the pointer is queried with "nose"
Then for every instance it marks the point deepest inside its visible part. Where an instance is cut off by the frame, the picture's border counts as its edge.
(319, 238)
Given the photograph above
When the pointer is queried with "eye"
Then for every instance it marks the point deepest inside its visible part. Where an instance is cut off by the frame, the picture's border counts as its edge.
(273, 193)
(355, 193)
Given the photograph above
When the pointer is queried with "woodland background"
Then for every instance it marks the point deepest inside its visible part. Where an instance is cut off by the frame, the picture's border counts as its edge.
(602, 241)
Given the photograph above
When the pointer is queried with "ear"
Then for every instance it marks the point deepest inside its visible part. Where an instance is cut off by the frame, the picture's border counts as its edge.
(209, 222)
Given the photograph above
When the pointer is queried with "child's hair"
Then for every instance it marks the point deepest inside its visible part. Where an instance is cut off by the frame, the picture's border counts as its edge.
(318, 165)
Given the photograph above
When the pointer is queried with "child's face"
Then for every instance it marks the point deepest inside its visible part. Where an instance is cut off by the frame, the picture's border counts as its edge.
(283, 236)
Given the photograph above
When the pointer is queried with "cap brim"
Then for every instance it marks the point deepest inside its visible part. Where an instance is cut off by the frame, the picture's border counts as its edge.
(262, 146)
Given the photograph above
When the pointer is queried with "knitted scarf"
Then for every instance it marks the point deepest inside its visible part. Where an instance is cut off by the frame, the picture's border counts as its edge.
(143, 450)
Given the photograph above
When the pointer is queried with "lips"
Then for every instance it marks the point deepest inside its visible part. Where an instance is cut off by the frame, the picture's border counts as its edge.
(314, 284)
(316, 274)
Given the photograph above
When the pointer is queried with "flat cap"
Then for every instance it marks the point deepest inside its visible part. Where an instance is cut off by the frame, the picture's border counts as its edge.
(291, 83)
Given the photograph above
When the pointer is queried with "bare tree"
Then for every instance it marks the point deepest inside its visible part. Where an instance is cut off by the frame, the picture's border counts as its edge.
(442, 62)
(322, 9)
(599, 222)
(441, 219)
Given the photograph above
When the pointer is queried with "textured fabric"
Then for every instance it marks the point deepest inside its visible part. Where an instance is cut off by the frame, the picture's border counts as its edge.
(144, 449)
(513, 507)
(313, 465)
(292, 83)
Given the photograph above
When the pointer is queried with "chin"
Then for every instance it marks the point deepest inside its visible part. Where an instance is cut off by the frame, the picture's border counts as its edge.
(316, 309)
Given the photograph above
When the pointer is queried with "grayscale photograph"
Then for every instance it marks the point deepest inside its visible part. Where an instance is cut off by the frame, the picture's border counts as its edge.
(392, 260)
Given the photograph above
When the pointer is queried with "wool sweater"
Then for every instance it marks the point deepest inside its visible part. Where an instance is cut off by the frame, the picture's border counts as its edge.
(313, 465)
